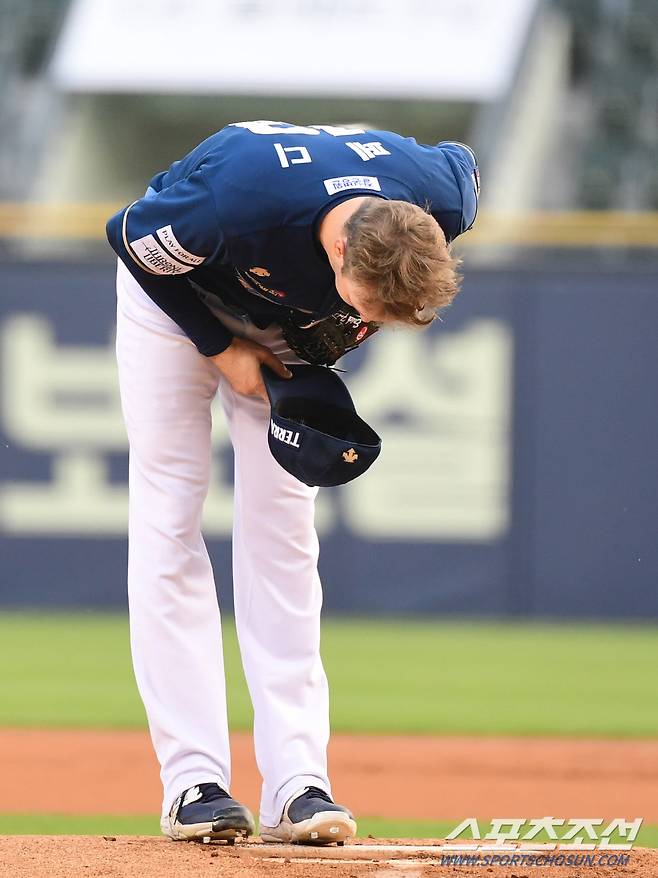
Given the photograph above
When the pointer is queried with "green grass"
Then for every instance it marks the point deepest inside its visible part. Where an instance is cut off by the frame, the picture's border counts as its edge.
(109, 824)
(79, 824)
(386, 676)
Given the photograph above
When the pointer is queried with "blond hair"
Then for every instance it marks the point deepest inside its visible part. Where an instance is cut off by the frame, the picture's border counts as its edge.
(398, 252)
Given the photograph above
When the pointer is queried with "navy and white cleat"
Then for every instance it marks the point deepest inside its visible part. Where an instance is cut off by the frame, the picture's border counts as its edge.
(311, 817)
(206, 811)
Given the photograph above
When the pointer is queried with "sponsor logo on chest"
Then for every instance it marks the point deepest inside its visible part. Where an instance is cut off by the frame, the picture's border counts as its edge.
(290, 437)
(251, 283)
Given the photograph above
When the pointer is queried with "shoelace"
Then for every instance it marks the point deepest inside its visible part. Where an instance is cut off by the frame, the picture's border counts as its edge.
(210, 792)
(317, 793)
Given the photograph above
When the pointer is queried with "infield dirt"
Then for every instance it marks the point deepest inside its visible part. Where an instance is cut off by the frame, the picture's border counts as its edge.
(403, 777)
(134, 857)
(397, 777)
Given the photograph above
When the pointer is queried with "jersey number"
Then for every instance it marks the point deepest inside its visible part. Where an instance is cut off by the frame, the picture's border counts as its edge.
(263, 126)
(299, 155)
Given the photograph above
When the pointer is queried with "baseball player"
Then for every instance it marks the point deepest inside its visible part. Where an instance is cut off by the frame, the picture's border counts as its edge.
(268, 244)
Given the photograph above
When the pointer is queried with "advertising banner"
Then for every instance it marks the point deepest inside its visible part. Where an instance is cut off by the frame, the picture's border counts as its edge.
(517, 473)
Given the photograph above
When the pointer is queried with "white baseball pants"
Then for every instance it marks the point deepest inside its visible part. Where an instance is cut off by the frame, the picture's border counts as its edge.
(167, 388)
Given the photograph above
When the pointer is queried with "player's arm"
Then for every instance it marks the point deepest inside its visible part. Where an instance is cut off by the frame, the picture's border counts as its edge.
(164, 236)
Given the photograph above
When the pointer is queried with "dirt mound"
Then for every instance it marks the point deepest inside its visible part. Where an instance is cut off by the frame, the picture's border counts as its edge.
(443, 778)
(128, 857)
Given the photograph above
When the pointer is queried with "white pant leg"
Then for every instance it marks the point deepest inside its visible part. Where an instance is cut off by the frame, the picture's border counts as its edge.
(278, 599)
(166, 391)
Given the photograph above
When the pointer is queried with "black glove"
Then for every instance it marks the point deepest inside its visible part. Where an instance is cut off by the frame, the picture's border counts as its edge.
(325, 341)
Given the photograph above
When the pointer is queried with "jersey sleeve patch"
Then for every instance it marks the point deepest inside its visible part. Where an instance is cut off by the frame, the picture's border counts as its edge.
(148, 228)
(168, 240)
(340, 184)
(148, 253)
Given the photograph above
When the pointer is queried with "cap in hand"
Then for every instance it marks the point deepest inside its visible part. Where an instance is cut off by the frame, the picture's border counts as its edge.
(315, 433)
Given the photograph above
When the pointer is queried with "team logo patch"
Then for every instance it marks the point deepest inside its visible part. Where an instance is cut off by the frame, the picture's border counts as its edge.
(261, 272)
(350, 456)
(339, 184)
(360, 334)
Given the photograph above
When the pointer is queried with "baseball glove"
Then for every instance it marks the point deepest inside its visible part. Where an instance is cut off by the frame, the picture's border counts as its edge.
(322, 342)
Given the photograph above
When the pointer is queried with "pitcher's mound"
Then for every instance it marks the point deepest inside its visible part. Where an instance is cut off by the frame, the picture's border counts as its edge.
(148, 857)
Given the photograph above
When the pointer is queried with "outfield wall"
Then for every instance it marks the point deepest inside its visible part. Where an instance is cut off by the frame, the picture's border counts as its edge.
(518, 474)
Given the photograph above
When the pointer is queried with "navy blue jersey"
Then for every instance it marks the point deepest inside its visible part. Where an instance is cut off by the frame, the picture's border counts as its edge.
(238, 217)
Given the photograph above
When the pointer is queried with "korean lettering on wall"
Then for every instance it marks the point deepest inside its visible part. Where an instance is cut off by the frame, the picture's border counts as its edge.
(440, 400)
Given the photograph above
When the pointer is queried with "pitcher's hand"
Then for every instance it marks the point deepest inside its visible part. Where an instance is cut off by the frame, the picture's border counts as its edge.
(240, 364)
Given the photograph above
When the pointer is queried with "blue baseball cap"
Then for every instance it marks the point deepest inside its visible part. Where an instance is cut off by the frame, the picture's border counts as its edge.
(315, 433)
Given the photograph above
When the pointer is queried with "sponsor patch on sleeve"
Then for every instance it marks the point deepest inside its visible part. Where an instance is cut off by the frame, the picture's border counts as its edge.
(340, 184)
(169, 241)
(148, 253)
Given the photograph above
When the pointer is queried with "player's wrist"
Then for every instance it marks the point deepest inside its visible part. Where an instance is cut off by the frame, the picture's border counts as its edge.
(217, 349)
(234, 346)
